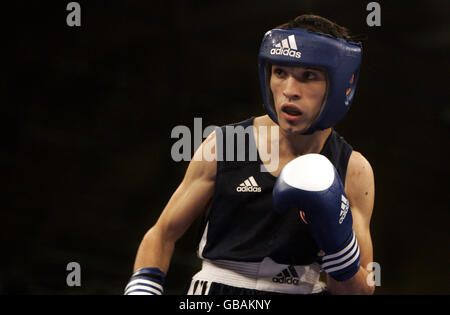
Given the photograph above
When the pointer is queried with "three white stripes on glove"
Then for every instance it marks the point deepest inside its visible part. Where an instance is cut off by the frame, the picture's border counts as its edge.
(340, 263)
(146, 281)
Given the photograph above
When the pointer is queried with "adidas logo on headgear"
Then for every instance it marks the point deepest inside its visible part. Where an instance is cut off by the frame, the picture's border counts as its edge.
(288, 47)
(249, 185)
(288, 276)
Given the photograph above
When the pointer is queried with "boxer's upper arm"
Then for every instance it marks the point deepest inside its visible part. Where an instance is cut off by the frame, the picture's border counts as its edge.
(192, 196)
(360, 189)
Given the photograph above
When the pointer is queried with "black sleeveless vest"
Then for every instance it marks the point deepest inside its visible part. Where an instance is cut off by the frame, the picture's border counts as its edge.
(242, 224)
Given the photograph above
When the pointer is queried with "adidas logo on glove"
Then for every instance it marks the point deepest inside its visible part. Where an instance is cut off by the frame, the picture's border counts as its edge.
(288, 47)
(249, 185)
(344, 209)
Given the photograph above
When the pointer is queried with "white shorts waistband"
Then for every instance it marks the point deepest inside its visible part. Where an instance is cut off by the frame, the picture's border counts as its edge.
(263, 276)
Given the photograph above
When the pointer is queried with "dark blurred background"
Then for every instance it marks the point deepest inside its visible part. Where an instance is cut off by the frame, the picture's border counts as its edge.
(87, 113)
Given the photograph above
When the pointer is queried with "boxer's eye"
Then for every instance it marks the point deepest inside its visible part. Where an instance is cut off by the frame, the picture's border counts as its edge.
(279, 72)
(309, 75)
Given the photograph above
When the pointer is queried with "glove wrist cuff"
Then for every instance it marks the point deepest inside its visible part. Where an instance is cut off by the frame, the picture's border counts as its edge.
(345, 263)
(146, 281)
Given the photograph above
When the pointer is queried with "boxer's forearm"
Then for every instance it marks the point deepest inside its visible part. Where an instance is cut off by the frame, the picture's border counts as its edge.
(154, 251)
(358, 284)
(151, 264)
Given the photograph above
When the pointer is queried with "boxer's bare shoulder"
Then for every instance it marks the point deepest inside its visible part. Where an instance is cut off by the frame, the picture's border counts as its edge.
(360, 183)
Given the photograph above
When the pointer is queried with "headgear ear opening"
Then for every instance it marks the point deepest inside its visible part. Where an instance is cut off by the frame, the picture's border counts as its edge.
(341, 61)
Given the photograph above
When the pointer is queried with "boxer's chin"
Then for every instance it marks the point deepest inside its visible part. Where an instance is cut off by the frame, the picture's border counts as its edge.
(290, 128)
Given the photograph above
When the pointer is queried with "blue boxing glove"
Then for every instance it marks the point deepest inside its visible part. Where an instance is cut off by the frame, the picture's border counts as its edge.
(311, 183)
(146, 281)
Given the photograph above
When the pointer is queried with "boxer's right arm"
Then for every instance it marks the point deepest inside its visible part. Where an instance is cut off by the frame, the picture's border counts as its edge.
(190, 200)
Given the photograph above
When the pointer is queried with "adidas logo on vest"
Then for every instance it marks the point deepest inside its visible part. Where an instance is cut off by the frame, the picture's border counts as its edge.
(249, 185)
(288, 276)
(287, 47)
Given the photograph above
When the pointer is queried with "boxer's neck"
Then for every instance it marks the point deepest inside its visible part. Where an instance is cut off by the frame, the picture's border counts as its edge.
(299, 144)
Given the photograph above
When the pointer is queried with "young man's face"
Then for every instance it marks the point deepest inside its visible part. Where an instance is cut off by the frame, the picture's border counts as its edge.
(298, 95)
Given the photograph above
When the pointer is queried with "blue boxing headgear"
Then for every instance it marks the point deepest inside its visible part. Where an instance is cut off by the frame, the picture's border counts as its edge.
(300, 48)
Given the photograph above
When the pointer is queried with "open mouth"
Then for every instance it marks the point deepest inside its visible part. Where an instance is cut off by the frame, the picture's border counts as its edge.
(291, 111)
